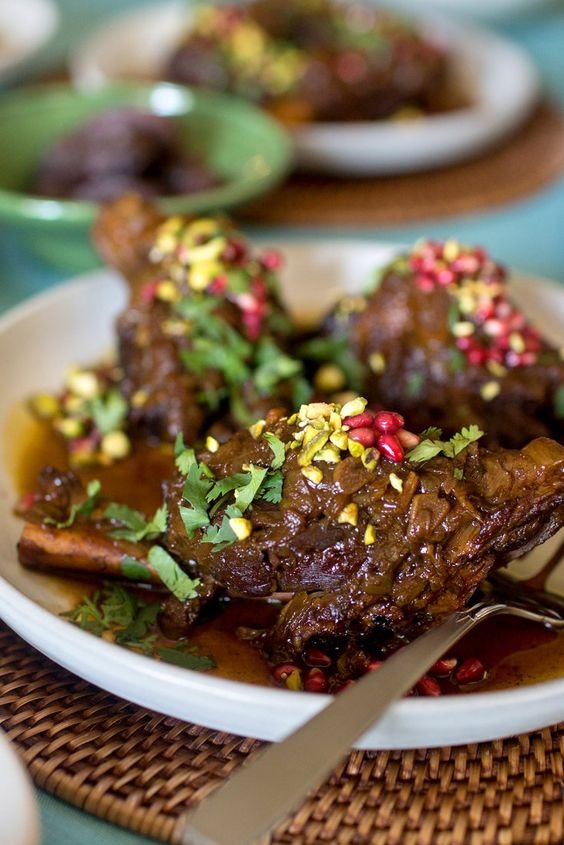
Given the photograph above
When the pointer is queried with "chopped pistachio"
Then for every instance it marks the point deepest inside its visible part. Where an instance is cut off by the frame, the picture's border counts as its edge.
(83, 383)
(370, 458)
(355, 448)
(464, 328)
(369, 535)
(517, 342)
(496, 369)
(329, 453)
(73, 404)
(203, 273)
(329, 378)
(257, 428)
(349, 514)
(294, 680)
(312, 474)
(241, 527)
(318, 442)
(377, 362)
(167, 291)
(315, 410)
(115, 445)
(340, 439)
(396, 482)
(212, 444)
(69, 427)
(490, 390)
(354, 407)
(139, 398)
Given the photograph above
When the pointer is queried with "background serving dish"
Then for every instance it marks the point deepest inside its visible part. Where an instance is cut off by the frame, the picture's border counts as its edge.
(32, 338)
(500, 79)
(26, 26)
(246, 148)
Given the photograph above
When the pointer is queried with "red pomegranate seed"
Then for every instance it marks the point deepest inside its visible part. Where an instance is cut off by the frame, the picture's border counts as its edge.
(470, 671)
(408, 439)
(428, 686)
(316, 657)
(218, 284)
(366, 419)
(443, 667)
(390, 447)
(272, 260)
(284, 670)
(316, 681)
(149, 291)
(26, 501)
(373, 665)
(388, 422)
(365, 436)
(234, 251)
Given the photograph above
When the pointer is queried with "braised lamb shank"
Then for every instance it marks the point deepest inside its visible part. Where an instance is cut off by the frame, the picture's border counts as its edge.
(205, 336)
(440, 340)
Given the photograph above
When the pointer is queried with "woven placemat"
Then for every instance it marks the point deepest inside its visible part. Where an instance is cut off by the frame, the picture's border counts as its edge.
(141, 770)
(531, 159)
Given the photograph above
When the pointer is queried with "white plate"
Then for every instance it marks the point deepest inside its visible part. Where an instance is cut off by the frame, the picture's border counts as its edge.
(19, 820)
(25, 27)
(73, 324)
(501, 79)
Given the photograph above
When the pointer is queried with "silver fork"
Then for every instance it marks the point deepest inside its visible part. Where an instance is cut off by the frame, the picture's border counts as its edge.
(250, 803)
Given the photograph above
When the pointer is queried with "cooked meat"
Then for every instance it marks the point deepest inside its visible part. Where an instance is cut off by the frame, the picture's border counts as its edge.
(364, 541)
(314, 59)
(440, 340)
(205, 336)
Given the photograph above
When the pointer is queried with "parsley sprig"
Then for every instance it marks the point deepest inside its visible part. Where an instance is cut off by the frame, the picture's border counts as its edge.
(431, 444)
(118, 614)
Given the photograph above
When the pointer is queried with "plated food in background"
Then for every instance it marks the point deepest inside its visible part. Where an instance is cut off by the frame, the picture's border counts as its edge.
(26, 27)
(239, 152)
(319, 60)
(440, 339)
(494, 81)
(119, 151)
(318, 536)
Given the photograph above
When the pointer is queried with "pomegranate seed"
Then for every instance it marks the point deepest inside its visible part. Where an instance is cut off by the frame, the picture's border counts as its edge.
(428, 686)
(388, 422)
(443, 667)
(373, 665)
(316, 657)
(272, 260)
(470, 671)
(390, 447)
(284, 670)
(218, 284)
(408, 439)
(366, 419)
(233, 251)
(366, 436)
(27, 501)
(316, 681)
(149, 291)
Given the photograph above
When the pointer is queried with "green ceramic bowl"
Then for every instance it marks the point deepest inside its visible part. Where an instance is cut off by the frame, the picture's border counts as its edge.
(245, 147)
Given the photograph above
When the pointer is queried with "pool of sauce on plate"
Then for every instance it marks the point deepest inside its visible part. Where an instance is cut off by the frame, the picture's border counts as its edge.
(515, 652)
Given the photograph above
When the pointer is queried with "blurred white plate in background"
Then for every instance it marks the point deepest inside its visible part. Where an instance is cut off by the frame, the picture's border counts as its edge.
(19, 823)
(25, 27)
(501, 80)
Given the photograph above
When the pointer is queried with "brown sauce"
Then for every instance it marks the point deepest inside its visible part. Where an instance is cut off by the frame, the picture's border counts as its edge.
(515, 652)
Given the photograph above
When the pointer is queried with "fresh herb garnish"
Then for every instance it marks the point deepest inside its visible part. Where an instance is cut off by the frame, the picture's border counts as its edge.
(135, 526)
(173, 577)
(278, 449)
(83, 508)
(432, 445)
(336, 350)
(108, 411)
(119, 615)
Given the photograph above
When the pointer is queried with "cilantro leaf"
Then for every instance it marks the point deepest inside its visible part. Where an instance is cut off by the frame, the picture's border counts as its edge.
(271, 490)
(193, 519)
(225, 485)
(223, 535)
(245, 495)
(133, 569)
(464, 438)
(178, 582)
(131, 623)
(429, 448)
(278, 448)
(136, 527)
(84, 508)
(425, 450)
(108, 411)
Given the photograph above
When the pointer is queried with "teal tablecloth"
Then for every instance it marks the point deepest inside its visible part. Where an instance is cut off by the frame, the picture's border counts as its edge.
(528, 234)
